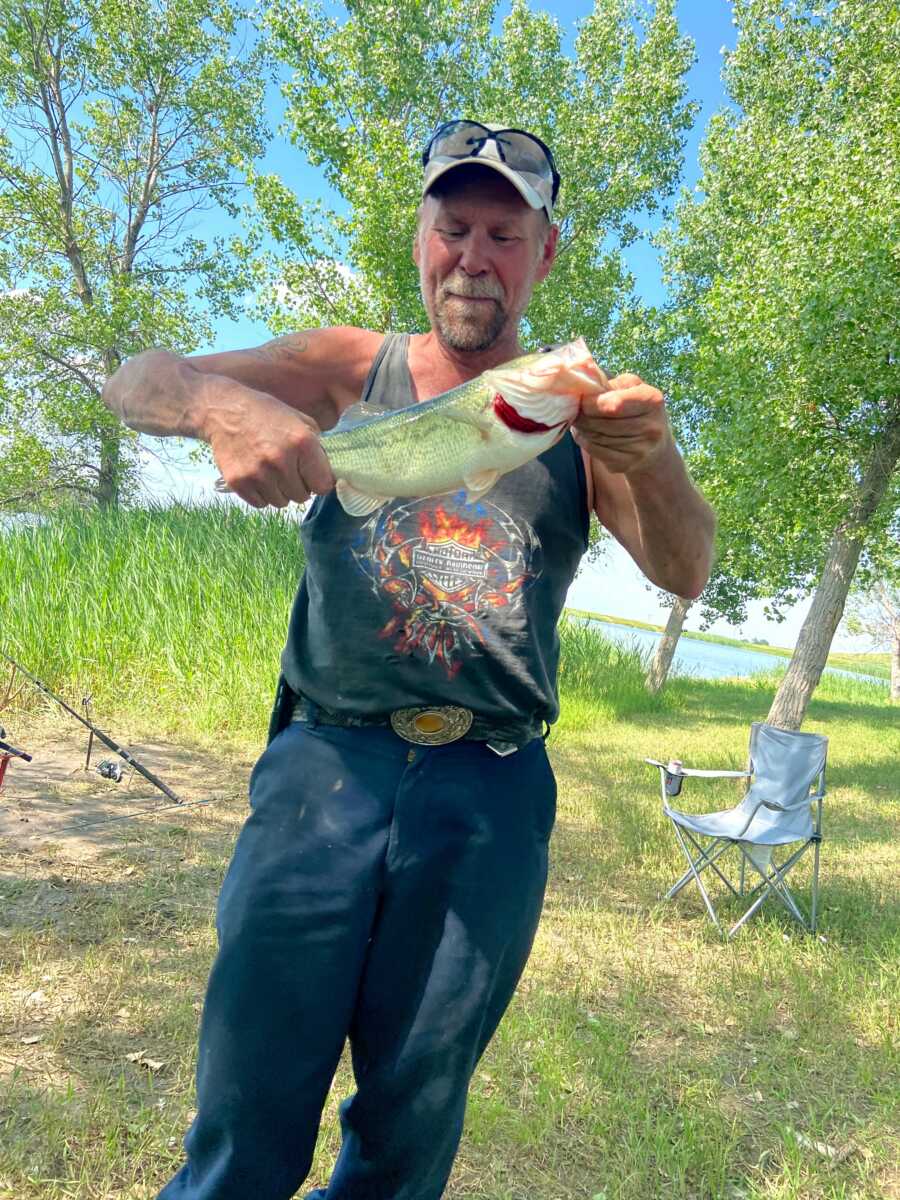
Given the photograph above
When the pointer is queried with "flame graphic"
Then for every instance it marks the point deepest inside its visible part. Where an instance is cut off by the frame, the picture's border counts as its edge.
(427, 621)
(448, 527)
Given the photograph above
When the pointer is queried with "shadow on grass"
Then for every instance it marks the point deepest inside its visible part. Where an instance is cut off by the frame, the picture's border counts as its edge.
(750, 700)
(626, 867)
(610, 1077)
(626, 1087)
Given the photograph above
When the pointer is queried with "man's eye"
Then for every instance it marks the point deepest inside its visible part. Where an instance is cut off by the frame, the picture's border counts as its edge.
(451, 232)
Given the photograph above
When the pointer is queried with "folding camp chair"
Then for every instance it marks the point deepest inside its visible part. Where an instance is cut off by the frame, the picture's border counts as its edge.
(787, 774)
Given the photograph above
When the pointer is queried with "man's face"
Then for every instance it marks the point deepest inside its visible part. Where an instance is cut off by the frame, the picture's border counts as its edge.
(480, 250)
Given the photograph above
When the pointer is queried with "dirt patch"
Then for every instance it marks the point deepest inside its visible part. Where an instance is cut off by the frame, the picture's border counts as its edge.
(55, 800)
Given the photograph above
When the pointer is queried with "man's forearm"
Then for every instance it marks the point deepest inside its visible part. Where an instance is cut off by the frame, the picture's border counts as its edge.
(676, 525)
(158, 392)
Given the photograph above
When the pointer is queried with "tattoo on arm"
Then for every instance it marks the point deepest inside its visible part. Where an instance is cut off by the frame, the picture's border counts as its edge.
(287, 346)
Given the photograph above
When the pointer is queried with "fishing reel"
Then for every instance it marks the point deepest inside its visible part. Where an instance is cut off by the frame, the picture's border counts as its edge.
(110, 768)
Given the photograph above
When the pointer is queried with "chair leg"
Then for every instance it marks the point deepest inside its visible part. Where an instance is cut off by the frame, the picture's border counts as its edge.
(707, 856)
(786, 896)
(775, 884)
(696, 876)
(757, 903)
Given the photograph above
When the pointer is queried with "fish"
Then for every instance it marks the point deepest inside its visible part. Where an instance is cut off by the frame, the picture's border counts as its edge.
(466, 438)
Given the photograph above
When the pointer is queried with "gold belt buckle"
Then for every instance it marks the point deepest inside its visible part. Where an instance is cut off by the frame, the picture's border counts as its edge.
(432, 726)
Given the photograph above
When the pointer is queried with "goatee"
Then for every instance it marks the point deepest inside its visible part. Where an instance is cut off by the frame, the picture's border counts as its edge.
(472, 327)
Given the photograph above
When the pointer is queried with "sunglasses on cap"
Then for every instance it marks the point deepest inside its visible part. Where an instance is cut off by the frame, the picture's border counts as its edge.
(522, 152)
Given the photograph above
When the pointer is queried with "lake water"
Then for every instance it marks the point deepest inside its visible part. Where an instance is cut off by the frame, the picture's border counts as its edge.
(709, 660)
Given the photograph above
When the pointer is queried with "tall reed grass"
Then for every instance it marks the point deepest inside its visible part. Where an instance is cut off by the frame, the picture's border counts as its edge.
(178, 612)
(604, 676)
(178, 615)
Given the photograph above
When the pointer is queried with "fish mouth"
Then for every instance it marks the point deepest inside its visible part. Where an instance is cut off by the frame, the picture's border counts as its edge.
(513, 419)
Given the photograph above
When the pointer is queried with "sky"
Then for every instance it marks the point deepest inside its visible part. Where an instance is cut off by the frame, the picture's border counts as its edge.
(615, 586)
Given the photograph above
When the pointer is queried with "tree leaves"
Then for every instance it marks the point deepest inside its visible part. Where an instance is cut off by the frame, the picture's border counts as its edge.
(784, 268)
(365, 93)
(121, 123)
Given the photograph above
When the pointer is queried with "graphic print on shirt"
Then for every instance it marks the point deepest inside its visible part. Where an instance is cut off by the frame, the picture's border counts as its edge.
(446, 568)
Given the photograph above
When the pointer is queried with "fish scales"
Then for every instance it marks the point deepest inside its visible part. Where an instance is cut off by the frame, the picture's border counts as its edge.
(422, 445)
(466, 438)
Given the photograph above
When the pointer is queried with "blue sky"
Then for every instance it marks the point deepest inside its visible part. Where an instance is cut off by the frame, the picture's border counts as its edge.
(615, 586)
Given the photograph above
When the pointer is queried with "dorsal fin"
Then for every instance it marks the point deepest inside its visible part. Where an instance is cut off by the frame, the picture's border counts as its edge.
(359, 413)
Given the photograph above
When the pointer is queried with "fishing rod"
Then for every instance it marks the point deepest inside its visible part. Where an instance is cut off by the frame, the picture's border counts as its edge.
(8, 752)
(132, 816)
(6, 748)
(97, 733)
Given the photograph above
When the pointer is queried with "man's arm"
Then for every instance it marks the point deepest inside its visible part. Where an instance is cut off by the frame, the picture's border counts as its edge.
(260, 410)
(642, 492)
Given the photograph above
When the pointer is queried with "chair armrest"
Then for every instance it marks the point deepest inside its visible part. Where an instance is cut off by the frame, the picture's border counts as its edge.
(696, 773)
(793, 807)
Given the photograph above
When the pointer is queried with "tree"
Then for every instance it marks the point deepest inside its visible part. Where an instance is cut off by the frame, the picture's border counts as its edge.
(875, 611)
(784, 269)
(368, 89)
(658, 671)
(119, 124)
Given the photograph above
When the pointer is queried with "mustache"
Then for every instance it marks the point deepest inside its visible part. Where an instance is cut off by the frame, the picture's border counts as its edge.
(477, 289)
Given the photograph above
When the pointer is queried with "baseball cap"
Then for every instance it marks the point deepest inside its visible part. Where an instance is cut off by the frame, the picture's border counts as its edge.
(519, 156)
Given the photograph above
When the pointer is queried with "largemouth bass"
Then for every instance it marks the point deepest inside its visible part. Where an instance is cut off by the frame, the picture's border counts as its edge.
(465, 438)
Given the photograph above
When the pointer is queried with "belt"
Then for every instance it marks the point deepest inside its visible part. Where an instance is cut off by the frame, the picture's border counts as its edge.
(433, 725)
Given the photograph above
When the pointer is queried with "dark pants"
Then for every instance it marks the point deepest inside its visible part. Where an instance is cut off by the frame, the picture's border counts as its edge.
(380, 892)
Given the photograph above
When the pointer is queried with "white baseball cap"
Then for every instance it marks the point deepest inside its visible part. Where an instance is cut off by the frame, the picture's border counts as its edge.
(517, 155)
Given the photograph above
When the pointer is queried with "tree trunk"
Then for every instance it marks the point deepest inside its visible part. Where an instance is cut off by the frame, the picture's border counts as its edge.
(110, 468)
(665, 650)
(895, 663)
(808, 660)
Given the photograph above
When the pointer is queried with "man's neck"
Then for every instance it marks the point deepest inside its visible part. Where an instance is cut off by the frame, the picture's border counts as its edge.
(436, 367)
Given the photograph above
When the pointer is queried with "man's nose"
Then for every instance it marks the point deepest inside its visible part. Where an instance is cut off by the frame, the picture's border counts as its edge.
(473, 258)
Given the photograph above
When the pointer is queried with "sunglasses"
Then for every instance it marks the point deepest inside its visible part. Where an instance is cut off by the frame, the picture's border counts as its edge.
(521, 151)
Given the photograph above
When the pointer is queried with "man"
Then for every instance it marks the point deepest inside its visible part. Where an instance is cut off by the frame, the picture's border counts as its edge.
(387, 885)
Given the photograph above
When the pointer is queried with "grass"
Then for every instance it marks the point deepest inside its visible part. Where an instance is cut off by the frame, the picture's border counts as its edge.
(641, 1058)
(173, 608)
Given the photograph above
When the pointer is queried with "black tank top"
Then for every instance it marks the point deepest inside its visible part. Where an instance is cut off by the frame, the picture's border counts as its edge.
(439, 601)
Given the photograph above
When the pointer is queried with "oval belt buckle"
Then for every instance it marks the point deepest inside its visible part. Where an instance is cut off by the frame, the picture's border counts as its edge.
(432, 726)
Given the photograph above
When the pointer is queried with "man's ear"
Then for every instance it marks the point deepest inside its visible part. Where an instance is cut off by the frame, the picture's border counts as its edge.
(548, 254)
(415, 247)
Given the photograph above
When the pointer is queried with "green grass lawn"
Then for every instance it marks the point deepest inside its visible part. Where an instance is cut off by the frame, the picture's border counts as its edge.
(641, 1058)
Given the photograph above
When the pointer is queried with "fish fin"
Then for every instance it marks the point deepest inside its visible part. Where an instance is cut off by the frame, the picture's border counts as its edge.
(480, 482)
(356, 502)
(357, 414)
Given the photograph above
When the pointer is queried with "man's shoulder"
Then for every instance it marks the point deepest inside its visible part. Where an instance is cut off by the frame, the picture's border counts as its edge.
(341, 356)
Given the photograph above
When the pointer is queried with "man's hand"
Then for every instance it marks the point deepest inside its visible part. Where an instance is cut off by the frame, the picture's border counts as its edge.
(626, 427)
(642, 492)
(260, 409)
(267, 452)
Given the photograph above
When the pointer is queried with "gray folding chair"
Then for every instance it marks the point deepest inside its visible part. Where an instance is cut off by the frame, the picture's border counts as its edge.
(787, 774)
